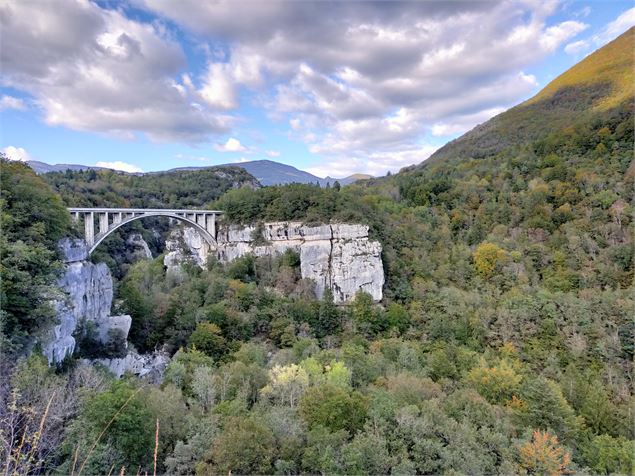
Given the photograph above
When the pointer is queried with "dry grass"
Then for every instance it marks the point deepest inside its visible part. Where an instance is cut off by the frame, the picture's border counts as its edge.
(612, 64)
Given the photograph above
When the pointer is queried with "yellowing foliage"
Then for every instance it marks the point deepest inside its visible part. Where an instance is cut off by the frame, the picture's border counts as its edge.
(497, 384)
(487, 257)
(543, 455)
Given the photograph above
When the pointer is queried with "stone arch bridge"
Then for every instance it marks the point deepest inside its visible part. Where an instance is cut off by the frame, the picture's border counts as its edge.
(109, 219)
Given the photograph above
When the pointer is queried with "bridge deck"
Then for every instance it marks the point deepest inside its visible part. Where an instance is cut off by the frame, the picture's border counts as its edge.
(141, 210)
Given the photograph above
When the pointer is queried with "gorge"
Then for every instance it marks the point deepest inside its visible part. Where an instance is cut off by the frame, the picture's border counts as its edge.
(340, 257)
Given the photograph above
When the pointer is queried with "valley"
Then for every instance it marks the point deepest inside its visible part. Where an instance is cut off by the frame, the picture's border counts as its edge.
(472, 314)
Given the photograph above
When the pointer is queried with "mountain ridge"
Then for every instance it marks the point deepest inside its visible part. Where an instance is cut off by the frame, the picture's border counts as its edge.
(267, 172)
(595, 83)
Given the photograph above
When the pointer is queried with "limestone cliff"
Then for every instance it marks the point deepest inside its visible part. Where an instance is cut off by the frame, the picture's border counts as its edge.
(89, 290)
(338, 256)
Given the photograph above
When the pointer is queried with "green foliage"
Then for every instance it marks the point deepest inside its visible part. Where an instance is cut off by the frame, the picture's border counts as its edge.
(128, 427)
(208, 339)
(607, 455)
(245, 446)
(333, 408)
(32, 219)
(504, 343)
(546, 408)
(497, 384)
(174, 189)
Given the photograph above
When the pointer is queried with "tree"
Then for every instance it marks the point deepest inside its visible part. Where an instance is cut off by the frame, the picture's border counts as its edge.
(543, 455)
(367, 454)
(397, 317)
(245, 446)
(547, 408)
(329, 318)
(323, 449)
(487, 258)
(33, 220)
(286, 384)
(365, 315)
(497, 384)
(333, 408)
(607, 455)
(208, 339)
(128, 423)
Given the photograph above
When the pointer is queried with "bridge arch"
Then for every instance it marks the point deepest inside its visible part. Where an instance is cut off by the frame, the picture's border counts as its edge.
(111, 219)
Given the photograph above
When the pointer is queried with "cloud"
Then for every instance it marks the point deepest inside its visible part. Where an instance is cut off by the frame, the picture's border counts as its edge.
(371, 80)
(218, 89)
(375, 163)
(577, 47)
(461, 124)
(272, 153)
(93, 69)
(232, 145)
(615, 28)
(368, 80)
(10, 102)
(119, 165)
(16, 153)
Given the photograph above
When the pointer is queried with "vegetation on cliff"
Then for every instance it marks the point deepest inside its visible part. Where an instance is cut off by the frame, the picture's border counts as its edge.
(32, 220)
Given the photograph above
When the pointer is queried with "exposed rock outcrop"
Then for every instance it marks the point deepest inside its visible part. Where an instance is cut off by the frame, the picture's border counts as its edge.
(148, 366)
(137, 248)
(336, 256)
(89, 293)
(185, 245)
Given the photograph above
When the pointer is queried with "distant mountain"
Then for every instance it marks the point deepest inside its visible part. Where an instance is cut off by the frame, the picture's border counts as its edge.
(269, 172)
(43, 168)
(600, 83)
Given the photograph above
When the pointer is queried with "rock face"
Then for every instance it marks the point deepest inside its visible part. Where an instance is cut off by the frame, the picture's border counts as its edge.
(185, 245)
(337, 256)
(137, 248)
(88, 289)
(148, 366)
(89, 292)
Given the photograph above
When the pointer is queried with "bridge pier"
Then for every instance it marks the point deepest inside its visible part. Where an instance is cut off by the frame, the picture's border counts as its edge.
(89, 228)
(103, 222)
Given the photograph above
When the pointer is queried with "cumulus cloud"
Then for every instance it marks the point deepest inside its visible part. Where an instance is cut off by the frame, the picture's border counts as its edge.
(367, 80)
(94, 69)
(372, 79)
(232, 145)
(10, 102)
(611, 31)
(16, 153)
(119, 165)
(374, 163)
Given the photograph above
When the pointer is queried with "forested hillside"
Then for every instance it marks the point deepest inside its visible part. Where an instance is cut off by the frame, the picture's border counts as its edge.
(176, 189)
(504, 344)
(601, 83)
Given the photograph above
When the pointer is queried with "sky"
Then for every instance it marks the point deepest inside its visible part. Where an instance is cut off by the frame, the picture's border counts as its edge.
(333, 88)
